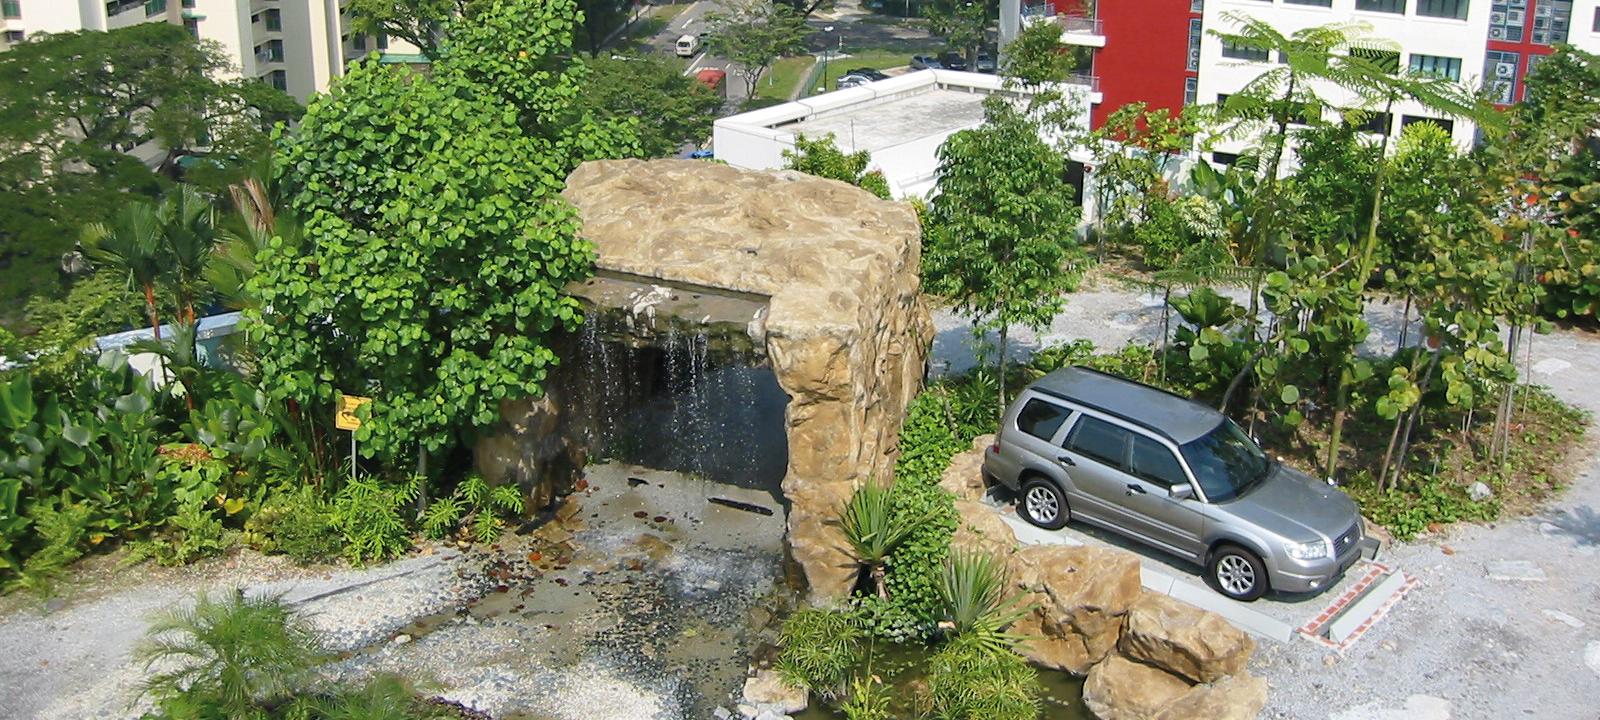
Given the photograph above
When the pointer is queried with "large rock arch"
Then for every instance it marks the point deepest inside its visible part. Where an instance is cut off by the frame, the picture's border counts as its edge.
(845, 330)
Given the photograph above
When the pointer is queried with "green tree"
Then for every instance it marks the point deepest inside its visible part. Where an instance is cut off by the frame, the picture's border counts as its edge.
(824, 159)
(965, 24)
(1000, 235)
(1037, 56)
(419, 22)
(133, 245)
(754, 34)
(665, 109)
(600, 19)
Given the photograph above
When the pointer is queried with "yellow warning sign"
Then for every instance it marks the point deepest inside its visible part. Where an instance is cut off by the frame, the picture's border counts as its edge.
(344, 416)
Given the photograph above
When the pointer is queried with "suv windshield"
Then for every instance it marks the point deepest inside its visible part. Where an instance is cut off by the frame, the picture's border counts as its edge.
(1225, 461)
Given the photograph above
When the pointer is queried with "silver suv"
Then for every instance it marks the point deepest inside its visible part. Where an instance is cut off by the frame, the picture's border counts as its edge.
(1175, 475)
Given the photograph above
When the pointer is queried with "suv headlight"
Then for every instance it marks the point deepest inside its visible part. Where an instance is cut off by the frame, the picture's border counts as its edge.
(1314, 550)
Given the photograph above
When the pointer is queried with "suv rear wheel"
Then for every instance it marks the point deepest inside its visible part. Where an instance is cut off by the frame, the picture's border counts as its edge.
(1043, 504)
(1237, 573)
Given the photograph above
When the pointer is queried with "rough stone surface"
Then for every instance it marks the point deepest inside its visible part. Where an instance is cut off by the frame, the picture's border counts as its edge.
(1236, 697)
(1121, 689)
(846, 331)
(964, 477)
(765, 688)
(1081, 594)
(528, 448)
(980, 529)
(1184, 639)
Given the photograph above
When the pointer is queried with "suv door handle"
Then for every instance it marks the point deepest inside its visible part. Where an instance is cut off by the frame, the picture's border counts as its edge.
(1135, 490)
(1066, 460)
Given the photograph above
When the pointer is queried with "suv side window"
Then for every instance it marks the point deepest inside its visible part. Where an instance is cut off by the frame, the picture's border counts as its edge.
(1098, 439)
(1041, 419)
(1153, 462)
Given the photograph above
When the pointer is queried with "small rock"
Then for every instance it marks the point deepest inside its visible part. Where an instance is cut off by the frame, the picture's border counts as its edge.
(1564, 619)
(1330, 660)
(1479, 492)
(401, 639)
(712, 585)
(747, 711)
(722, 713)
(1446, 549)
(765, 688)
(1591, 656)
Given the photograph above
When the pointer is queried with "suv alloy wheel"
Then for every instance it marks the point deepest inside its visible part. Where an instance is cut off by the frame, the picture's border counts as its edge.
(1237, 573)
(1043, 504)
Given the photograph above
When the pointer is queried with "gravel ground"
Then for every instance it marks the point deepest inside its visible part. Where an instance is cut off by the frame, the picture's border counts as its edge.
(1506, 620)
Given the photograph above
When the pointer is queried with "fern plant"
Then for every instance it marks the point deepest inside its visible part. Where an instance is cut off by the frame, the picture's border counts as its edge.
(232, 656)
(478, 504)
(367, 514)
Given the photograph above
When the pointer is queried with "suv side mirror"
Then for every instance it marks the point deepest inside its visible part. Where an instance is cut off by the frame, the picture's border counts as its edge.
(1180, 492)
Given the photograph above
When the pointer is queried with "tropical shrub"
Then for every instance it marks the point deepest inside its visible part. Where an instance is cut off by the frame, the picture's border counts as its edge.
(868, 699)
(476, 504)
(298, 524)
(970, 681)
(874, 527)
(367, 514)
(818, 648)
(977, 603)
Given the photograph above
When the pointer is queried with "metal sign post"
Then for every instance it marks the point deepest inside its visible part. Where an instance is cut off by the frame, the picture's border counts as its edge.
(345, 418)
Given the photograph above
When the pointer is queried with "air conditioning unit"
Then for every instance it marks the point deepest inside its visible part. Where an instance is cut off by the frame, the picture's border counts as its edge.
(1497, 33)
(1541, 11)
(1505, 70)
(1497, 18)
(1514, 17)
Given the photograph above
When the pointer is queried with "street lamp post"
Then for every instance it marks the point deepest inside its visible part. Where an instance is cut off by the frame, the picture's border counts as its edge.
(825, 52)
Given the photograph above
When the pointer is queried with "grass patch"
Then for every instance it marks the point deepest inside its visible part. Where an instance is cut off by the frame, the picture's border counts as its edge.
(875, 59)
(779, 81)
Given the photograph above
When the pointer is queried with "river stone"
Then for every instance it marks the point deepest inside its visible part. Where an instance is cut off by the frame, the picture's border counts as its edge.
(980, 529)
(1184, 639)
(1236, 697)
(846, 330)
(1080, 596)
(1121, 689)
(964, 477)
(766, 690)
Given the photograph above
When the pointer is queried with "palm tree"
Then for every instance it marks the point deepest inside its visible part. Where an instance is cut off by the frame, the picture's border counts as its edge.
(256, 221)
(874, 529)
(133, 244)
(191, 238)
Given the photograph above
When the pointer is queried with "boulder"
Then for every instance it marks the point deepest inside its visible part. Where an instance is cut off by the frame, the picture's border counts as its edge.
(980, 529)
(964, 477)
(1081, 595)
(1121, 689)
(1236, 697)
(1183, 639)
(530, 447)
(767, 690)
(817, 544)
(846, 331)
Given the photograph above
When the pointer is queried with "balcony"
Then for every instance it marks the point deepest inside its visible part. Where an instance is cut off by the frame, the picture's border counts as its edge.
(1075, 29)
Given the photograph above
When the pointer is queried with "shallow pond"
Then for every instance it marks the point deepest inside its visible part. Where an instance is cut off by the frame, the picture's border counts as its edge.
(900, 666)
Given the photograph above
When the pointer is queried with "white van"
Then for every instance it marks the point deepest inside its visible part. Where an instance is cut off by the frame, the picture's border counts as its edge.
(688, 45)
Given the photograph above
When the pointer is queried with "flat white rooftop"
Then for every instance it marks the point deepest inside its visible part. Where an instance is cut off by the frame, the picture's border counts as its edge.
(901, 121)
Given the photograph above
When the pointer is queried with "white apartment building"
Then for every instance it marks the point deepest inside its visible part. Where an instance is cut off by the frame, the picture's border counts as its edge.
(298, 46)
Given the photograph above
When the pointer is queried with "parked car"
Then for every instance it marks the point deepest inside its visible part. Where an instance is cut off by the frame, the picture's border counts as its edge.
(687, 45)
(868, 73)
(851, 80)
(702, 155)
(985, 63)
(1175, 475)
(925, 62)
(953, 60)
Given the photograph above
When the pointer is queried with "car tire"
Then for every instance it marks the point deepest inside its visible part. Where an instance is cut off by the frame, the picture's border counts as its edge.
(1043, 504)
(1236, 573)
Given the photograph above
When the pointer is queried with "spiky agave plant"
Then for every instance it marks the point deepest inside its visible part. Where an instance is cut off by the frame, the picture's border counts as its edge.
(977, 605)
(873, 529)
(234, 655)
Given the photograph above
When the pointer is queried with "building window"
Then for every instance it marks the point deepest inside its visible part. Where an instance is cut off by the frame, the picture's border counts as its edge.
(1196, 33)
(277, 78)
(154, 7)
(1506, 19)
(1501, 69)
(11, 8)
(274, 19)
(1374, 122)
(14, 36)
(1453, 9)
(1397, 7)
(1191, 90)
(270, 51)
(1596, 27)
(1224, 158)
(1444, 67)
(1197, 6)
(359, 42)
(193, 26)
(1386, 60)
(1318, 3)
(383, 42)
(188, 4)
(1444, 124)
(1238, 52)
(1551, 21)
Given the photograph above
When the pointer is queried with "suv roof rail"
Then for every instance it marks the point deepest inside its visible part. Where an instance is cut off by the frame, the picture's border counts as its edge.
(1125, 417)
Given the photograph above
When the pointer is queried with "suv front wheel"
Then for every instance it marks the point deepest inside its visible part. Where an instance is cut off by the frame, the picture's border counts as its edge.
(1043, 504)
(1237, 573)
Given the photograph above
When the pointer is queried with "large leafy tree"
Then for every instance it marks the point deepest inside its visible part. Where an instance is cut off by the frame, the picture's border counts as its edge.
(434, 244)
(600, 19)
(965, 24)
(665, 109)
(1000, 234)
(754, 34)
(419, 22)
